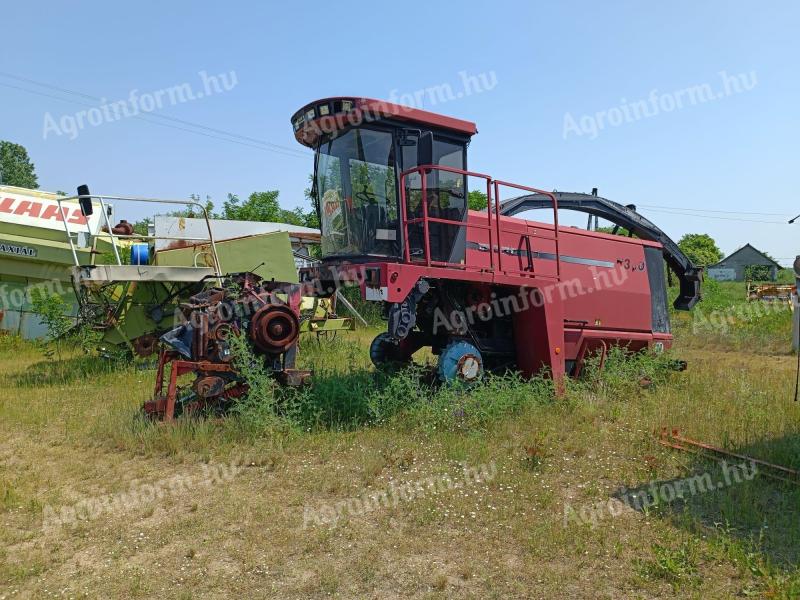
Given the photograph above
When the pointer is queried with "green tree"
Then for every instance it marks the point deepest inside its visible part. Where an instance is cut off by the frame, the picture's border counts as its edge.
(758, 272)
(312, 216)
(16, 167)
(701, 249)
(193, 212)
(264, 206)
(610, 229)
(190, 212)
(260, 206)
(476, 200)
(141, 227)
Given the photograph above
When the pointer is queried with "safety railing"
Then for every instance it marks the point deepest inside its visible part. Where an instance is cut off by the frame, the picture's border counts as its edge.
(554, 239)
(426, 219)
(102, 199)
(492, 226)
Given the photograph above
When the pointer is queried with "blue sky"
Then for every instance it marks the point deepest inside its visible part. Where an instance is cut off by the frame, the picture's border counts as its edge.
(554, 72)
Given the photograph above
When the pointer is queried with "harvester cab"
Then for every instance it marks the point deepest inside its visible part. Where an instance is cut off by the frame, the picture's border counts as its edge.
(483, 289)
(362, 149)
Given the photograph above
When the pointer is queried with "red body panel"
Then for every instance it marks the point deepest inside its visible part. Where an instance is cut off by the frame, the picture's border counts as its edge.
(604, 279)
(602, 297)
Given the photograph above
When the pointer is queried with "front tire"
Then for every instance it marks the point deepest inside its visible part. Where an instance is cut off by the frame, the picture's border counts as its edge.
(460, 361)
(384, 352)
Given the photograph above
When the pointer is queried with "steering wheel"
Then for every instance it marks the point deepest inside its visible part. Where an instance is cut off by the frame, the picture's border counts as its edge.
(368, 212)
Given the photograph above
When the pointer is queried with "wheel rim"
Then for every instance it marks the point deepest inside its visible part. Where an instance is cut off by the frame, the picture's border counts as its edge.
(460, 361)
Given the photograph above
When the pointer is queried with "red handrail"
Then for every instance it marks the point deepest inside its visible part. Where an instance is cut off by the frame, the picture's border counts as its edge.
(550, 195)
(425, 219)
(490, 185)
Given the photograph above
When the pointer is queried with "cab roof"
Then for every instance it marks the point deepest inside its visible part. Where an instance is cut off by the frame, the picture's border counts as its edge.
(332, 114)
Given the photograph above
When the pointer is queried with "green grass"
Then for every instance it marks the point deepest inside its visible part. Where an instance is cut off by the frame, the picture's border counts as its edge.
(725, 319)
(71, 430)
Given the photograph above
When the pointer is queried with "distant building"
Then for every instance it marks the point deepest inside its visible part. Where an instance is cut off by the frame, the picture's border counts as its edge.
(172, 230)
(733, 267)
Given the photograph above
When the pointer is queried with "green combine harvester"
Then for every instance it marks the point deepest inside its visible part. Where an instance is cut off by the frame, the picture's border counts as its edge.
(35, 254)
(130, 286)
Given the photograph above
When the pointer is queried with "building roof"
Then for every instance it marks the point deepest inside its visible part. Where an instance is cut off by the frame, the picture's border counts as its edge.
(751, 247)
(172, 229)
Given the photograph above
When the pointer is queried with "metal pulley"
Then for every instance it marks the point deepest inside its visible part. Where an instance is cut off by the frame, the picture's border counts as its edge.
(274, 328)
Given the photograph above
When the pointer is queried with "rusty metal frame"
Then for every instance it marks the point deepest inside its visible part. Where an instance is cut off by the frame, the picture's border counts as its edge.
(671, 438)
(580, 360)
(163, 404)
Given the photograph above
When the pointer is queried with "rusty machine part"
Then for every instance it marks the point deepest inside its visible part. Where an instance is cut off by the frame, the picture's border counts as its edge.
(209, 386)
(672, 438)
(121, 228)
(274, 328)
(266, 314)
(145, 345)
(770, 292)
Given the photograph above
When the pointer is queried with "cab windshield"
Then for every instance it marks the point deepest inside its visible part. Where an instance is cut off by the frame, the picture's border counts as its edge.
(357, 193)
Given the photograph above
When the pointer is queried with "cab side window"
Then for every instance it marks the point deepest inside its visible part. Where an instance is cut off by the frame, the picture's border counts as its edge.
(446, 198)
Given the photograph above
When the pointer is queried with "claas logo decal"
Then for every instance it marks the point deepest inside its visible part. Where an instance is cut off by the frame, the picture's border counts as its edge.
(41, 210)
